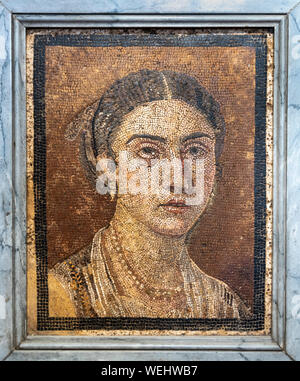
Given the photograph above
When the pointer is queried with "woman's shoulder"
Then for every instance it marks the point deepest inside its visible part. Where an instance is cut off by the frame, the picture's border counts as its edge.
(223, 294)
(64, 280)
(78, 260)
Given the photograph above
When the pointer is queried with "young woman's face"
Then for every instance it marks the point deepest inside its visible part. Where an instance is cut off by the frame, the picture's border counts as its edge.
(168, 129)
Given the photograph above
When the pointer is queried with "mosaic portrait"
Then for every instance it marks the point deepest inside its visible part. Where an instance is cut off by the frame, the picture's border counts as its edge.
(149, 181)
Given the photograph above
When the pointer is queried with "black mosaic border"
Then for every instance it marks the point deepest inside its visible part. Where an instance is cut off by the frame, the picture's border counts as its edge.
(44, 322)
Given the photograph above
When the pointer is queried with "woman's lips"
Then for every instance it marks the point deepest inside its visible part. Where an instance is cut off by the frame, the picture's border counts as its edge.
(176, 206)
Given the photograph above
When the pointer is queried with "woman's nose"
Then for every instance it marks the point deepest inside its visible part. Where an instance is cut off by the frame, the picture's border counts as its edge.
(172, 189)
(175, 155)
(176, 172)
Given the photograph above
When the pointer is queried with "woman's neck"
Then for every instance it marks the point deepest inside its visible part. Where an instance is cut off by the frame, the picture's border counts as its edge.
(142, 246)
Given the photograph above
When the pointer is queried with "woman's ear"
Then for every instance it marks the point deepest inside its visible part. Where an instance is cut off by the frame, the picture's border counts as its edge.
(106, 175)
(101, 156)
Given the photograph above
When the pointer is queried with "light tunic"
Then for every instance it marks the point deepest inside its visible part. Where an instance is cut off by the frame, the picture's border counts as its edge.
(92, 290)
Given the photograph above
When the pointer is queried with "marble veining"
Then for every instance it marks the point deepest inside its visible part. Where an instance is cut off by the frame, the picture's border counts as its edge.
(143, 355)
(293, 170)
(5, 184)
(150, 6)
(293, 192)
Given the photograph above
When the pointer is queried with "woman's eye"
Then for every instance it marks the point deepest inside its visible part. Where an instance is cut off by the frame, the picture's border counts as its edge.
(148, 152)
(196, 151)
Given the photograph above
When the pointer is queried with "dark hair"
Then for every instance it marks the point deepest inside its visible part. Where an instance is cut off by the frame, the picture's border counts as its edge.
(138, 89)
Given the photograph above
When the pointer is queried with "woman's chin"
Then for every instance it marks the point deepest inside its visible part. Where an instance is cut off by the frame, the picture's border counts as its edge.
(171, 227)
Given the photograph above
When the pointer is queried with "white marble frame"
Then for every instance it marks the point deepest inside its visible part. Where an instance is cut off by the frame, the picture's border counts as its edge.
(284, 17)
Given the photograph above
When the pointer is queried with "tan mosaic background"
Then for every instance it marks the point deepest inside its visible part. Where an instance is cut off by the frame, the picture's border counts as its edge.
(222, 244)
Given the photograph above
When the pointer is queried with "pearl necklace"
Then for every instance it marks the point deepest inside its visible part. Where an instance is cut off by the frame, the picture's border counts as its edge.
(152, 292)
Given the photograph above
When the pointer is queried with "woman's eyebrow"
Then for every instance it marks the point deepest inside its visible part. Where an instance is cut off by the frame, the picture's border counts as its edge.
(196, 135)
(141, 136)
